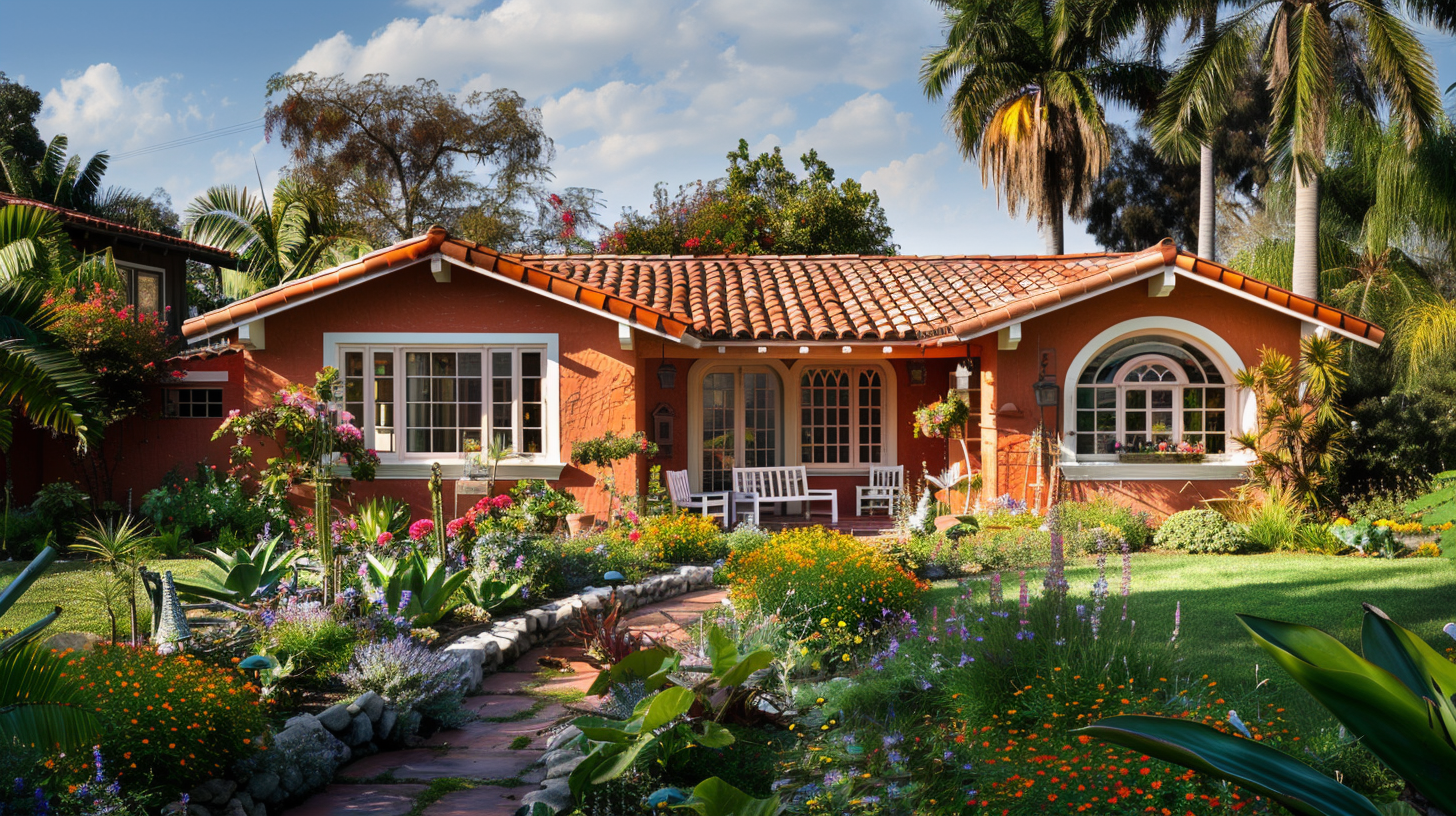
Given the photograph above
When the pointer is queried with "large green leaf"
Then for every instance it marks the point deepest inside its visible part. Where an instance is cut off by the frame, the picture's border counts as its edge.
(649, 665)
(738, 675)
(1404, 729)
(27, 577)
(714, 797)
(1244, 762)
(40, 705)
(715, 736)
(666, 706)
(722, 651)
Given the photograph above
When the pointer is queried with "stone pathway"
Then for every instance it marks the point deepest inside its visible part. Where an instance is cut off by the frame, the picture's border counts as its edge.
(501, 754)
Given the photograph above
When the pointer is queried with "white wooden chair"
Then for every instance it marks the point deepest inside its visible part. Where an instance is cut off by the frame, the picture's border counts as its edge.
(680, 490)
(886, 484)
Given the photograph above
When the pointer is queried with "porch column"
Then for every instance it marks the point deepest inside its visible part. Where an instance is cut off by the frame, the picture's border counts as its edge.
(990, 476)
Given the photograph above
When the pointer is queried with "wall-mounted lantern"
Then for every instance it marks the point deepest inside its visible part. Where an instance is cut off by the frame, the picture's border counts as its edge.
(667, 376)
(1046, 393)
(917, 372)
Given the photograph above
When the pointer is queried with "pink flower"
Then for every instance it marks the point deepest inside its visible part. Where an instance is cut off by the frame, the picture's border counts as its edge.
(345, 417)
(455, 526)
(348, 432)
(634, 536)
(501, 502)
(385, 539)
(234, 413)
(420, 529)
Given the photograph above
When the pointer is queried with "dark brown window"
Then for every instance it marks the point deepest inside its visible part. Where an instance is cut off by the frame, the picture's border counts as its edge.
(193, 403)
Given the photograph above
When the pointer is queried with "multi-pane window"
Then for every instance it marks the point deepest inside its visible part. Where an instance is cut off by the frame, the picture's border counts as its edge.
(194, 403)
(841, 416)
(740, 423)
(449, 398)
(1149, 391)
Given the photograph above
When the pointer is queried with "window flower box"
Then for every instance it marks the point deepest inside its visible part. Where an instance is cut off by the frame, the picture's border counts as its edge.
(1160, 458)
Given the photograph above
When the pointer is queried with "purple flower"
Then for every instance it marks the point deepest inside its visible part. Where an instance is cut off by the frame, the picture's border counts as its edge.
(404, 599)
(520, 562)
(965, 660)
(96, 755)
(525, 593)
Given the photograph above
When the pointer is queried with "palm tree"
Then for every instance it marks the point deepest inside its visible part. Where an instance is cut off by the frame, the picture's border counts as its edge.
(120, 545)
(37, 375)
(1318, 56)
(296, 234)
(1024, 79)
(56, 179)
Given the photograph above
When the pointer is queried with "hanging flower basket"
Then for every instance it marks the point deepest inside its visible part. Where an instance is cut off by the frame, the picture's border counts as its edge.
(942, 419)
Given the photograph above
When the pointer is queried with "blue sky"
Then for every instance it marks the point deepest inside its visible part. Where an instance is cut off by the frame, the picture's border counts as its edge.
(633, 91)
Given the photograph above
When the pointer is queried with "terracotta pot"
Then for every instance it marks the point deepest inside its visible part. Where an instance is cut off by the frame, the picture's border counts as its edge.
(577, 522)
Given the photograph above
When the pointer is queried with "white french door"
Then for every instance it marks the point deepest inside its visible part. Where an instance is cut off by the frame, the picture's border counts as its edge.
(742, 423)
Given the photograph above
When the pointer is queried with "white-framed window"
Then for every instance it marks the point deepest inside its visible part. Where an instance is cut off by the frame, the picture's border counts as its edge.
(192, 403)
(841, 416)
(431, 402)
(1143, 391)
(742, 425)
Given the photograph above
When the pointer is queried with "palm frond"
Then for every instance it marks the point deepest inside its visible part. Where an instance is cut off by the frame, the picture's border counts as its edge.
(41, 706)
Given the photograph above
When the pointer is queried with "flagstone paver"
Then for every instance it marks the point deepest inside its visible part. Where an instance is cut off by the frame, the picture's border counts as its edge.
(513, 703)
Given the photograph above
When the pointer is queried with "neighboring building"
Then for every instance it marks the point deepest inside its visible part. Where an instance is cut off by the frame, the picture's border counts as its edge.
(154, 264)
(761, 360)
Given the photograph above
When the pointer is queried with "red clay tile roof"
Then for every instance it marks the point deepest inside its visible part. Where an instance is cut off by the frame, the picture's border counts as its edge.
(796, 297)
(834, 297)
(404, 253)
(74, 218)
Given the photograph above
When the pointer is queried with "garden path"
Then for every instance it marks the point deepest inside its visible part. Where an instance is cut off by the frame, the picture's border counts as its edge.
(486, 767)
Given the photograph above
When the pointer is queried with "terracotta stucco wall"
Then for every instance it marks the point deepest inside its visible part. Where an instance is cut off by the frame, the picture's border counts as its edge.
(1244, 325)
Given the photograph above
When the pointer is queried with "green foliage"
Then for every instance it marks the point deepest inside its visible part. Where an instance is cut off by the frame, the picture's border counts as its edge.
(204, 506)
(1392, 698)
(140, 697)
(560, 566)
(812, 573)
(244, 573)
(761, 207)
(942, 419)
(120, 545)
(1400, 440)
(715, 797)
(125, 352)
(60, 506)
(39, 378)
(310, 642)
(413, 678)
(1438, 506)
(1272, 523)
(683, 538)
(608, 449)
(1200, 531)
(1301, 429)
(746, 537)
(432, 587)
(381, 515)
(1368, 538)
(537, 507)
(489, 593)
(1134, 525)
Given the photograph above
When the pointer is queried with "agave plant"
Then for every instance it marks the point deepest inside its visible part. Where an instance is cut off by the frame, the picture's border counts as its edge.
(244, 572)
(40, 706)
(489, 593)
(430, 585)
(1397, 699)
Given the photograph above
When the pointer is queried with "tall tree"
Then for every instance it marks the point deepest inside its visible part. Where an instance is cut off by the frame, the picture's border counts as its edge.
(55, 179)
(297, 233)
(760, 207)
(395, 153)
(19, 105)
(1025, 80)
(1315, 55)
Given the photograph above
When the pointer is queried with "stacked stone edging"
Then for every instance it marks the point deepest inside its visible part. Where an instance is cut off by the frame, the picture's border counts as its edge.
(508, 639)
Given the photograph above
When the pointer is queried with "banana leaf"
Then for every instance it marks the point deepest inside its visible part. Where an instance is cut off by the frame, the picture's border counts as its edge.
(714, 797)
(1410, 732)
(1244, 762)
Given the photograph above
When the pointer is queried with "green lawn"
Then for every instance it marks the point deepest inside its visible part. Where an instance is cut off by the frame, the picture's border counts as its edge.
(1317, 590)
(75, 586)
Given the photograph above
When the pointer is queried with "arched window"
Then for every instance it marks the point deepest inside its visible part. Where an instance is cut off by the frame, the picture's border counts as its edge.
(1142, 392)
(841, 416)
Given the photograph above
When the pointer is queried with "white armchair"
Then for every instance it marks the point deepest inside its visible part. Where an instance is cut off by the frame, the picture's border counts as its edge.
(885, 487)
(680, 490)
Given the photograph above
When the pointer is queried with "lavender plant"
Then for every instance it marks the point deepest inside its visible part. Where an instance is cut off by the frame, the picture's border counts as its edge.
(419, 682)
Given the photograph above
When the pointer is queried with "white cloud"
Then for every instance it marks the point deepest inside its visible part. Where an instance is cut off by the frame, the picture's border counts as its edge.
(862, 130)
(97, 111)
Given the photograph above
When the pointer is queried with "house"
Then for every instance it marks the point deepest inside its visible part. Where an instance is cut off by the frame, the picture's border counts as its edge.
(768, 360)
(153, 264)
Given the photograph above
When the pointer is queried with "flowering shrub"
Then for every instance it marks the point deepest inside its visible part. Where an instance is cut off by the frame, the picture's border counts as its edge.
(201, 507)
(942, 419)
(125, 352)
(300, 423)
(536, 508)
(171, 719)
(1132, 526)
(813, 573)
(308, 637)
(1200, 531)
(415, 679)
(573, 563)
(683, 538)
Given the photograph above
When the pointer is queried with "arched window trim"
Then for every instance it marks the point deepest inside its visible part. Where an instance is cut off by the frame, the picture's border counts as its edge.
(1220, 353)
(1173, 367)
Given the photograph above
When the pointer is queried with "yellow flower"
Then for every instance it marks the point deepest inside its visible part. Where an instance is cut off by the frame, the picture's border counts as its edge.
(858, 640)
(846, 657)
(842, 624)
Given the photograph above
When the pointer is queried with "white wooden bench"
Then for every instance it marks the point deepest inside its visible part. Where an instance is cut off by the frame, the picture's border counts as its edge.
(680, 490)
(884, 489)
(779, 485)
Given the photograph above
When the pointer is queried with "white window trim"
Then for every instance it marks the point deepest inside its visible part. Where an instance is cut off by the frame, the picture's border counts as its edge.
(547, 465)
(789, 379)
(1101, 467)
(887, 400)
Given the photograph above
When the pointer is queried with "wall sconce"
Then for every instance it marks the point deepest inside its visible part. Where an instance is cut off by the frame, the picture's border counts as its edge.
(917, 372)
(663, 420)
(1046, 393)
(966, 372)
(666, 375)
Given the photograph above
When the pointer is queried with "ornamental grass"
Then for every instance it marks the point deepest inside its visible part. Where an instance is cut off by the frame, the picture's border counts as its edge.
(813, 575)
(167, 720)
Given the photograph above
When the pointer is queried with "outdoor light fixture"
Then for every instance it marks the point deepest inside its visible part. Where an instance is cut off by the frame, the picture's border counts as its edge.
(257, 664)
(1046, 393)
(666, 372)
(962, 377)
(917, 372)
(614, 579)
